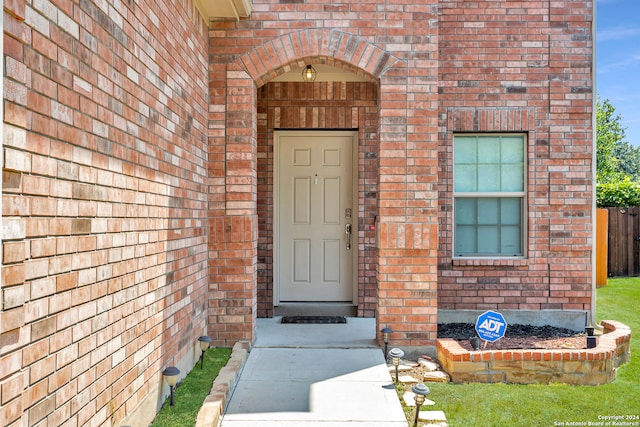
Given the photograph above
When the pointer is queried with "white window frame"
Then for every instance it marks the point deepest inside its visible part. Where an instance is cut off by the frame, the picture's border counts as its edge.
(522, 195)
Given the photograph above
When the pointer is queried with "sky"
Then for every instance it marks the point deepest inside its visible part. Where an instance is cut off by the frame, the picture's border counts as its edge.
(618, 60)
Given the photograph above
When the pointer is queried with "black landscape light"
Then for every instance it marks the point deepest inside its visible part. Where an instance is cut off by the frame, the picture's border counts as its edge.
(171, 375)
(420, 390)
(475, 343)
(204, 341)
(386, 334)
(592, 340)
(396, 354)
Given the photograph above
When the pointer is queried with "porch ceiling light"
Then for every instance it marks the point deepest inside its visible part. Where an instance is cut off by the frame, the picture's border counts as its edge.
(420, 390)
(309, 73)
(204, 345)
(171, 376)
(396, 354)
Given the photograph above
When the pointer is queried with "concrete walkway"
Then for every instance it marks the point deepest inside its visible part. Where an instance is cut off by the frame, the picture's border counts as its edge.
(315, 375)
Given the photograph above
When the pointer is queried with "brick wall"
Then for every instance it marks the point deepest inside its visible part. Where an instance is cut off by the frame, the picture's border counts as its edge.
(515, 66)
(391, 43)
(133, 171)
(441, 67)
(104, 277)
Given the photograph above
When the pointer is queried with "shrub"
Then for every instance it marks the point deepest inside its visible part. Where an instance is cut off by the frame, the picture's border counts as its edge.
(618, 193)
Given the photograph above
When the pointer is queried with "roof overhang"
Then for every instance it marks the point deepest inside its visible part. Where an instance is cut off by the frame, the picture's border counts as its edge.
(224, 9)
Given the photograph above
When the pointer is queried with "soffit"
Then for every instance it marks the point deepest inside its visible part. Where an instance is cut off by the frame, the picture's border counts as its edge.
(224, 9)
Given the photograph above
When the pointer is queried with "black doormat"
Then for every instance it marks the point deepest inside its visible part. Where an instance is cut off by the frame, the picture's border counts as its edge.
(314, 319)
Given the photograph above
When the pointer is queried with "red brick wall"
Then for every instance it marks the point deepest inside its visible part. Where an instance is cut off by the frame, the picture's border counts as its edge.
(442, 67)
(104, 278)
(513, 66)
(392, 43)
(321, 105)
(131, 175)
(233, 222)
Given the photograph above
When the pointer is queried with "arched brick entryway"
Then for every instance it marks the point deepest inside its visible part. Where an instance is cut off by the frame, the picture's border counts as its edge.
(322, 45)
(406, 220)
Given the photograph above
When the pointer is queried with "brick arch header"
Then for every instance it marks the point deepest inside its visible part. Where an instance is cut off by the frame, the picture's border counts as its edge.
(333, 47)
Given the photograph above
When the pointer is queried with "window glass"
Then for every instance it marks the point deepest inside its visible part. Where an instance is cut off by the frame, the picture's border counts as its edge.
(489, 184)
(466, 239)
(465, 150)
(512, 177)
(510, 240)
(488, 178)
(512, 149)
(489, 150)
(488, 210)
(466, 211)
(488, 240)
(465, 178)
(511, 211)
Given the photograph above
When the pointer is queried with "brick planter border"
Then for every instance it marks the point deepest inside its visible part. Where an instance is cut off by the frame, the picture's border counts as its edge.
(579, 367)
(214, 404)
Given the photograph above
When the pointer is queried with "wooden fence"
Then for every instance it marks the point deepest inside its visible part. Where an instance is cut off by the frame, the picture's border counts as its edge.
(602, 248)
(624, 242)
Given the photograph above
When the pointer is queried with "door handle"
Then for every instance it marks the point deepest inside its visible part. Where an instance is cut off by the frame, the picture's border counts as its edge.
(347, 230)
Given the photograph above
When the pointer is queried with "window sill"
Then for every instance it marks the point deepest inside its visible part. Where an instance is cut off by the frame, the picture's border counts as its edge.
(493, 262)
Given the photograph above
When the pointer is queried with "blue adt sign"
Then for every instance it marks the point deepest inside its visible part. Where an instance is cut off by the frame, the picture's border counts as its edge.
(491, 326)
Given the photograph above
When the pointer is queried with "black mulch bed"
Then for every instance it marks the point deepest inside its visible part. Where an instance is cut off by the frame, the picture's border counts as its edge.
(464, 331)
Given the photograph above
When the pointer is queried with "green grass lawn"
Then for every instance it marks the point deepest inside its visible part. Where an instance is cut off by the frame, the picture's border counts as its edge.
(486, 405)
(192, 390)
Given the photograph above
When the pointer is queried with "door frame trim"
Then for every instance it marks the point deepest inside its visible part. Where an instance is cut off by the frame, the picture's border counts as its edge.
(276, 203)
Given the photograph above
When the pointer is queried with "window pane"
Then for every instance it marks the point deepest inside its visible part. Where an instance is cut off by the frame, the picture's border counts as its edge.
(512, 148)
(511, 211)
(465, 240)
(488, 211)
(489, 149)
(465, 178)
(488, 226)
(464, 150)
(488, 178)
(489, 163)
(512, 177)
(488, 240)
(510, 240)
(466, 211)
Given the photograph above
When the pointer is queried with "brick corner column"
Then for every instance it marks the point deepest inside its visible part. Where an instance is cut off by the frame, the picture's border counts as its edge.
(234, 221)
(408, 200)
(407, 282)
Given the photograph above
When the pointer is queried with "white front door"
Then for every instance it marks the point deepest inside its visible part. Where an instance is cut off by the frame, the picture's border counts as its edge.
(316, 221)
